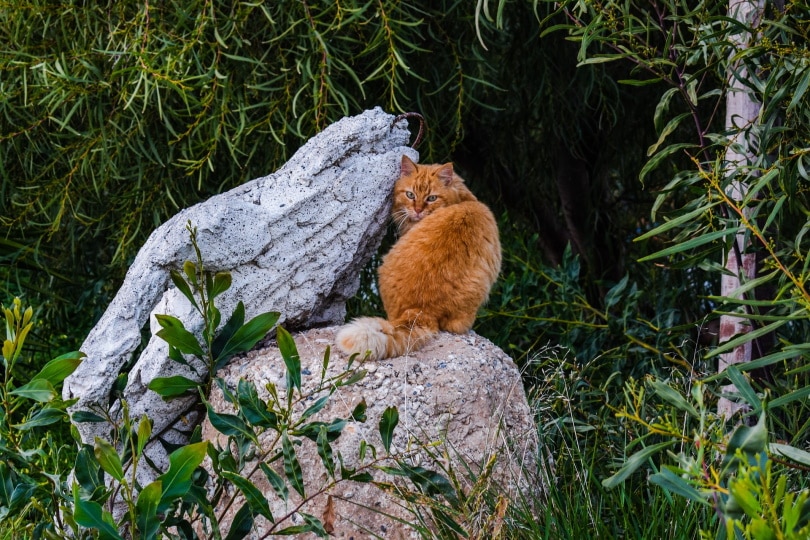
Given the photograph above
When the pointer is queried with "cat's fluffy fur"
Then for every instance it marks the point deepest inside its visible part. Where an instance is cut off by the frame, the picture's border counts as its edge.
(439, 272)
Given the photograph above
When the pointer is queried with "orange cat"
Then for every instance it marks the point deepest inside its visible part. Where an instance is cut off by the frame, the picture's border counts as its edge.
(439, 272)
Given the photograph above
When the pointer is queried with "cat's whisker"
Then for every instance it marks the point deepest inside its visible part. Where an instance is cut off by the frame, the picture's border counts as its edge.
(399, 218)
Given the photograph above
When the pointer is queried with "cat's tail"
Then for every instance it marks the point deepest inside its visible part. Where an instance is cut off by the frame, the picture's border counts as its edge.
(381, 338)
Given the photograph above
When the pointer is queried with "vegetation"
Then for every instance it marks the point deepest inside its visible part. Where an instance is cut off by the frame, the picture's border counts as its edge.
(594, 128)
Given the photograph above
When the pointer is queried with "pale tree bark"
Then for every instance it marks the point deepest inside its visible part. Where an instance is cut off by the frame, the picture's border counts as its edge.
(742, 110)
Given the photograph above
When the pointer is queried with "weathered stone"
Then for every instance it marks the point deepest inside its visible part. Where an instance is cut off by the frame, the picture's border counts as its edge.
(294, 241)
(459, 395)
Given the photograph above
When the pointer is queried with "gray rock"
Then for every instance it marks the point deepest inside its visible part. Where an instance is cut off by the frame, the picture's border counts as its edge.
(460, 396)
(294, 241)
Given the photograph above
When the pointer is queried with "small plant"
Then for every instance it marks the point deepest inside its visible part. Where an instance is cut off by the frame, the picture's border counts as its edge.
(751, 500)
(217, 344)
(32, 473)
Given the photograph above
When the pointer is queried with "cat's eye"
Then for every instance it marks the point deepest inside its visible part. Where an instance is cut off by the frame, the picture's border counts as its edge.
(432, 198)
(410, 195)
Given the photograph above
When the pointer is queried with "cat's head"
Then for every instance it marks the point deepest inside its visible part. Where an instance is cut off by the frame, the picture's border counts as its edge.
(423, 189)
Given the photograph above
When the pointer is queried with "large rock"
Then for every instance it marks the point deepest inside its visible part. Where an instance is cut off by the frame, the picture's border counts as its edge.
(294, 241)
(459, 395)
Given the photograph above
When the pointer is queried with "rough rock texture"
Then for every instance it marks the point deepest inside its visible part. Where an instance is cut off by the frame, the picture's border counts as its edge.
(294, 241)
(462, 392)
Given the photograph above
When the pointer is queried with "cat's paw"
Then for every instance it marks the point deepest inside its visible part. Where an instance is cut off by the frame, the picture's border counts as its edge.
(364, 335)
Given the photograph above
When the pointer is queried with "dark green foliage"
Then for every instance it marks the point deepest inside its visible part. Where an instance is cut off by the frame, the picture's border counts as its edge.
(30, 483)
(114, 115)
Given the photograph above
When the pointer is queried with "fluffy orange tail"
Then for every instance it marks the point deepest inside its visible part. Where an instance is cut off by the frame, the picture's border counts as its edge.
(380, 338)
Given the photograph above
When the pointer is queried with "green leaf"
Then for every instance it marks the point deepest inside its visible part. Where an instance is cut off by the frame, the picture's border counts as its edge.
(449, 523)
(144, 432)
(800, 90)
(668, 129)
(388, 421)
(177, 356)
(791, 452)
(176, 385)
(677, 222)
(289, 352)
(315, 525)
(40, 390)
(147, 505)
(319, 404)
(90, 514)
(362, 477)
(276, 481)
(675, 484)
(226, 333)
(87, 416)
(749, 440)
(183, 286)
(229, 424)
(429, 482)
(176, 335)
(689, 244)
(182, 464)
(325, 452)
(745, 498)
(325, 363)
(44, 417)
(242, 523)
(658, 158)
(222, 282)
(294, 529)
(88, 474)
(743, 387)
(662, 108)
(253, 407)
(778, 356)
(257, 501)
(227, 394)
(801, 393)
(746, 337)
(633, 463)
(107, 457)
(247, 336)
(60, 367)
(190, 269)
(355, 377)
(312, 429)
(359, 412)
(615, 292)
(639, 82)
(7, 482)
(312, 524)
(601, 59)
(673, 397)
(292, 469)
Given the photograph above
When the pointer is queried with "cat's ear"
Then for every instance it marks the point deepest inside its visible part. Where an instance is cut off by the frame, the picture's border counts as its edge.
(445, 174)
(408, 166)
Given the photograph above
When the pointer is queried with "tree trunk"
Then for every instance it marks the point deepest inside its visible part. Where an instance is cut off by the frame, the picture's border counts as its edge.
(742, 110)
